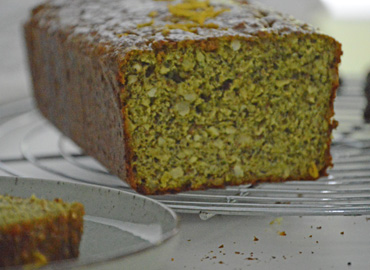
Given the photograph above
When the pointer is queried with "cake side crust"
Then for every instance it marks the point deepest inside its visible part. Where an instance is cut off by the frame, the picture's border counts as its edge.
(76, 87)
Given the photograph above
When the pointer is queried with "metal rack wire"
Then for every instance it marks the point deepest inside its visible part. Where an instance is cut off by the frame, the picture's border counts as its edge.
(30, 146)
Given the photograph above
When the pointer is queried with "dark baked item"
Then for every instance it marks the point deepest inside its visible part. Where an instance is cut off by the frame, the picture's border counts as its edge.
(173, 96)
(35, 231)
(367, 96)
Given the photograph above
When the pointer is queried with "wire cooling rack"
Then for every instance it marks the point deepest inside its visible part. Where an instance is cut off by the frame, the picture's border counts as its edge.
(31, 147)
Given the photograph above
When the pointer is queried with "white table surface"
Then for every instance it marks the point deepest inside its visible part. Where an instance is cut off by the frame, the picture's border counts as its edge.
(222, 242)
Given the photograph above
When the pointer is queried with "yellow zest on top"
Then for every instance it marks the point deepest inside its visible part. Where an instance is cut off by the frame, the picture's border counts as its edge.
(140, 25)
(153, 14)
(196, 11)
(211, 25)
(187, 15)
(193, 5)
(122, 35)
(190, 27)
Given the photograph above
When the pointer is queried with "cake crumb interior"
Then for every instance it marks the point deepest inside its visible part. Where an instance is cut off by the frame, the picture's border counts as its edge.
(229, 111)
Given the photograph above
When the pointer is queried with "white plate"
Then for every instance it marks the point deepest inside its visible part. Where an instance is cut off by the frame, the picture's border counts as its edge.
(121, 230)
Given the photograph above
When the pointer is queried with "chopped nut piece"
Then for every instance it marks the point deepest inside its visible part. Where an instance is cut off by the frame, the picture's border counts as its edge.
(235, 44)
(238, 171)
(177, 172)
(183, 108)
(151, 92)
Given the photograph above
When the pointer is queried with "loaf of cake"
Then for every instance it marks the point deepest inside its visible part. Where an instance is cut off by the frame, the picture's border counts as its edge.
(34, 231)
(186, 94)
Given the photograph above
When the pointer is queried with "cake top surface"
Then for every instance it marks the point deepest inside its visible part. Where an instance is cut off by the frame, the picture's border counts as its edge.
(14, 210)
(127, 24)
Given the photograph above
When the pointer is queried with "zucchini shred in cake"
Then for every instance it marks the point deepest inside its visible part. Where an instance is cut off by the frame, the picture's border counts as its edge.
(34, 231)
(172, 96)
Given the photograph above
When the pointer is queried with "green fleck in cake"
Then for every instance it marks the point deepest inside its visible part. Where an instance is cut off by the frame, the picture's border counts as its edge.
(35, 231)
(186, 95)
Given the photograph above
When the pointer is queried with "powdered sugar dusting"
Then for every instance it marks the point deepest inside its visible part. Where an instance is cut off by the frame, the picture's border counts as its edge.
(113, 24)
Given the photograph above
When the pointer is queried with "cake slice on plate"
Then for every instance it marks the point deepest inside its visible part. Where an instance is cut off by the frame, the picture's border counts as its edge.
(36, 231)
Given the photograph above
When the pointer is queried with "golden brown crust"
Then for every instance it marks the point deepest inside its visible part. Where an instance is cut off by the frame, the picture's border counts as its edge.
(333, 123)
(144, 190)
(78, 94)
